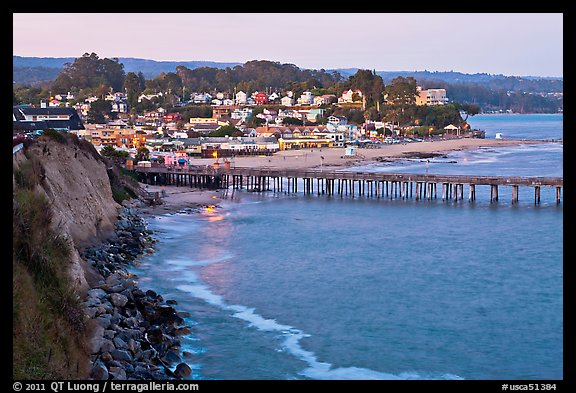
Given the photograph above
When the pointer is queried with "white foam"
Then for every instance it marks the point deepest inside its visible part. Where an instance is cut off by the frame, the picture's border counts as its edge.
(291, 343)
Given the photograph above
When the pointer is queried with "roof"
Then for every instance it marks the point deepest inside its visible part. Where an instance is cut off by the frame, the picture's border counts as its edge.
(73, 123)
(28, 110)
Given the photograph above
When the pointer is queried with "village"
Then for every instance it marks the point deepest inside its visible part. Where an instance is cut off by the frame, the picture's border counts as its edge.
(170, 139)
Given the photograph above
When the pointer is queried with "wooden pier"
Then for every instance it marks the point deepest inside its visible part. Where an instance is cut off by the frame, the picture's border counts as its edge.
(341, 183)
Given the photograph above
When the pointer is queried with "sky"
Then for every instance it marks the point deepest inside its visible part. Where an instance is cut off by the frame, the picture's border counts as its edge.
(519, 44)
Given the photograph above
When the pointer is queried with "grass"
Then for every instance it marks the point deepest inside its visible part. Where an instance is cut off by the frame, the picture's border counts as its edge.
(48, 318)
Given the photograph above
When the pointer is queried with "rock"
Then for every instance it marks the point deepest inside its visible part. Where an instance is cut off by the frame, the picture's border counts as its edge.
(182, 331)
(121, 355)
(119, 343)
(91, 312)
(133, 346)
(109, 334)
(117, 373)
(99, 371)
(96, 340)
(151, 293)
(107, 346)
(171, 357)
(106, 357)
(118, 300)
(138, 293)
(182, 370)
(104, 320)
(171, 302)
(183, 314)
(187, 355)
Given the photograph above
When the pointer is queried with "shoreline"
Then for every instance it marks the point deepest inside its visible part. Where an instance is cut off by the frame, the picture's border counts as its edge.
(335, 157)
(181, 198)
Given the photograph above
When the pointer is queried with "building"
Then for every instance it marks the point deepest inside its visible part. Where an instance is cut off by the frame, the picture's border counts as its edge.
(260, 98)
(325, 99)
(306, 98)
(287, 101)
(241, 98)
(25, 118)
(348, 96)
(431, 96)
(338, 120)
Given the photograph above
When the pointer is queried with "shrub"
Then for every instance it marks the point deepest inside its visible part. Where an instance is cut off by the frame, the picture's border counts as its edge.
(55, 135)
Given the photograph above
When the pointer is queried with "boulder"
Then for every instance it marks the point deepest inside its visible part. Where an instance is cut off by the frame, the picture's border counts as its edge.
(121, 355)
(182, 370)
(118, 300)
(99, 371)
(117, 373)
(96, 340)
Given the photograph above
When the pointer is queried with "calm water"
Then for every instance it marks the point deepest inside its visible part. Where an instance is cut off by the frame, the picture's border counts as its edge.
(307, 287)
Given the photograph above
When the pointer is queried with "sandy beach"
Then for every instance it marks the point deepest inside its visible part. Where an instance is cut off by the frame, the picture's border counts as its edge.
(179, 198)
(335, 157)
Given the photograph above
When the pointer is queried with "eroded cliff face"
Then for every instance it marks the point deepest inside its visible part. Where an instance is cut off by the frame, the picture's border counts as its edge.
(77, 186)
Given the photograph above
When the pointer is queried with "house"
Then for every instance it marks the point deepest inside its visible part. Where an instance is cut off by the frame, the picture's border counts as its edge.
(325, 99)
(306, 98)
(148, 97)
(201, 98)
(25, 118)
(64, 97)
(287, 101)
(172, 117)
(119, 106)
(348, 96)
(338, 120)
(241, 114)
(431, 96)
(241, 98)
(260, 98)
(268, 115)
(273, 97)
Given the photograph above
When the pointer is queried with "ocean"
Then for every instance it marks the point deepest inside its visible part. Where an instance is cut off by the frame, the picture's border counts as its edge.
(287, 287)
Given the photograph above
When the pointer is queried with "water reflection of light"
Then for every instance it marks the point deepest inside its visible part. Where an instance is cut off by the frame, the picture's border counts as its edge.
(212, 214)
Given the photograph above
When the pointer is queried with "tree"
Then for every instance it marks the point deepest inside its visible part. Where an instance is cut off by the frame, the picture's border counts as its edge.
(89, 71)
(223, 131)
(254, 122)
(370, 84)
(469, 110)
(402, 91)
(99, 111)
(292, 121)
(143, 154)
(133, 86)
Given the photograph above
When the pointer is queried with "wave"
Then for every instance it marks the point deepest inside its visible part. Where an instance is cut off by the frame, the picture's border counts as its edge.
(292, 337)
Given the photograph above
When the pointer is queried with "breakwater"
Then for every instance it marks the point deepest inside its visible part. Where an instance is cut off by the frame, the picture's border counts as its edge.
(136, 332)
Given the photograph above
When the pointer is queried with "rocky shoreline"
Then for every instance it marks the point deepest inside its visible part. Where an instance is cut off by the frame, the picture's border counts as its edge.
(136, 333)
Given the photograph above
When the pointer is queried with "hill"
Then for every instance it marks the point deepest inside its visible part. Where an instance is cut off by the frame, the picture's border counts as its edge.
(29, 70)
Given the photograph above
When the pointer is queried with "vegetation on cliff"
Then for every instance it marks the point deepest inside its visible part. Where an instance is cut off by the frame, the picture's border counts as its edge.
(48, 325)
(51, 333)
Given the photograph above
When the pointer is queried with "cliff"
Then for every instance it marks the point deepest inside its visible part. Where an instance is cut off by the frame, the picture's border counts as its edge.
(62, 202)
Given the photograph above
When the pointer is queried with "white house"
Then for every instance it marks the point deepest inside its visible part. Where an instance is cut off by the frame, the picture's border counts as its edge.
(347, 96)
(287, 101)
(307, 98)
(241, 98)
(338, 120)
